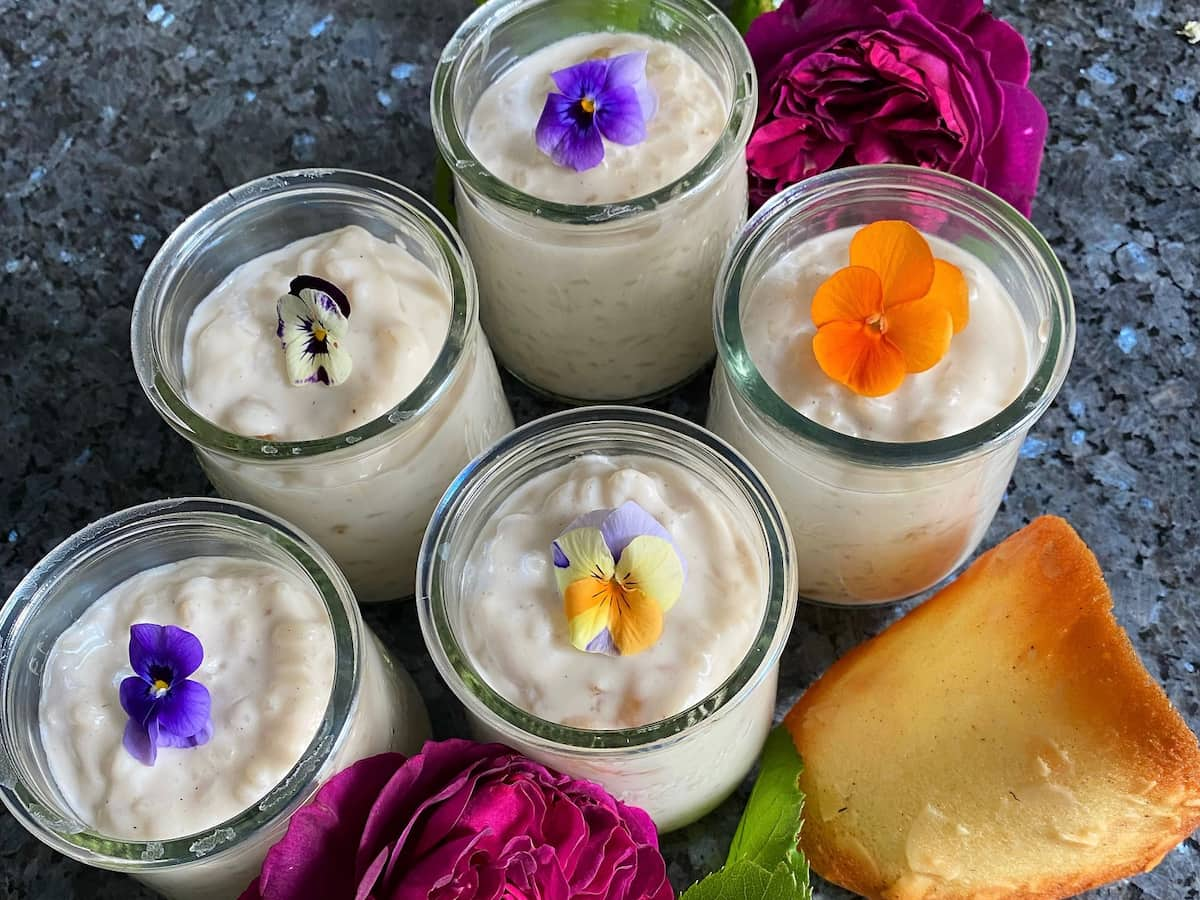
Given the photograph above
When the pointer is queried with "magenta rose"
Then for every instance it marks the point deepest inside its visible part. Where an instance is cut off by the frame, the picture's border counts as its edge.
(463, 821)
(934, 83)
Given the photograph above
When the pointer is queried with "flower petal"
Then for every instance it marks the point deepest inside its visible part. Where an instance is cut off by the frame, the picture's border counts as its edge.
(627, 521)
(201, 737)
(619, 116)
(185, 709)
(141, 742)
(145, 648)
(921, 332)
(629, 70)
(585, 79)
(652, 565)
(1014, 158)
(137, 700)
(899, 255)
(637, 623)
(587, 556)
(182, 651)
(852, 294)
(588, 605)
(949, 290)
(858, 357)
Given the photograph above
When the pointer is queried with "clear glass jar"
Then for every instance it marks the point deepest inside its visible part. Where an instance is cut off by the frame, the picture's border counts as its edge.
(373, 706)
(676, 769)
(365, 495)
(875, 522)
(606, 302)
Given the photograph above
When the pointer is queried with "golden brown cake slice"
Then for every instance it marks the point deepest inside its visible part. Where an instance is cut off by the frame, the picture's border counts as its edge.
(1002, 740)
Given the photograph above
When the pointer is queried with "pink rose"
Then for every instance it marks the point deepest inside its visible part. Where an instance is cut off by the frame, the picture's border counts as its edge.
(463, 821)
(935, 83)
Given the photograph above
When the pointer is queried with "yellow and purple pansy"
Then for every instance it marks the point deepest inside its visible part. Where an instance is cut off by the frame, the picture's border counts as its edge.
(619, 572)
(314, 317)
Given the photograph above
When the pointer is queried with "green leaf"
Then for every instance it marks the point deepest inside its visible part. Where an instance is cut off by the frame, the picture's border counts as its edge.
(770, 826)
(743, 12)
(747, 880)
(764, 862)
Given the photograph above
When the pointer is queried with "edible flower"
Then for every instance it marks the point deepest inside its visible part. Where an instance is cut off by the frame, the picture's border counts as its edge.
(313, 319)
(890, 313)
(619, 572)
(165, 708)
(600, 99)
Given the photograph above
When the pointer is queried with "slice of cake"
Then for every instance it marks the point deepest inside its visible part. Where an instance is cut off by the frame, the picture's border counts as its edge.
(1002, 740)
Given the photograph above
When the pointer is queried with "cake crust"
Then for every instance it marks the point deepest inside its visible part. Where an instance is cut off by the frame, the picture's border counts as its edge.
(1002, 740)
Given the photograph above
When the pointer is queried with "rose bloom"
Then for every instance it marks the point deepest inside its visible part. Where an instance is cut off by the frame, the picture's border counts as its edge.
(463, 821)
(934, 83)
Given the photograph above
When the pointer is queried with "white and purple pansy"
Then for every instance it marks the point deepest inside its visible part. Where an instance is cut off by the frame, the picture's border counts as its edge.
(314, 317)
(619, 573)
(600, 100)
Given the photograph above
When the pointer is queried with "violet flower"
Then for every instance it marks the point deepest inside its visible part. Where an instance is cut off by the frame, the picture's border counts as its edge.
(165, 709)
(601, 99)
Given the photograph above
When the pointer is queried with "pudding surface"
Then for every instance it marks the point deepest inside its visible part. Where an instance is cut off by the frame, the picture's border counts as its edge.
(690, 117)
(234, 368)
(269, 668)
(985, 369)
(513, 623)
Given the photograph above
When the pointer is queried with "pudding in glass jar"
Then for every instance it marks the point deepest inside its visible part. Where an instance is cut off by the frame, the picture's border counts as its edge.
(609, 592)
(888, 432)
(314, 335)
(180, 677)
(599, 170)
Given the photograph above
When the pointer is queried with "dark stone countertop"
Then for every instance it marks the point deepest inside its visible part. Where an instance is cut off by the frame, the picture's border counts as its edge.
(118, 118)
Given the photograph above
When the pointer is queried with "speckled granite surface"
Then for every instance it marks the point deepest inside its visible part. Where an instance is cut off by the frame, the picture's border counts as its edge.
(118, 118)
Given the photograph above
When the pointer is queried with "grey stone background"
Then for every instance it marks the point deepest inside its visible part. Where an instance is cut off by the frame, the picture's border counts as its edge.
(118, 118)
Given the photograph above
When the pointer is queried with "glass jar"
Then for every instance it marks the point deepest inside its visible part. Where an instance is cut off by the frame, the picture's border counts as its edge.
(875, 522)
(373, 705)
(603, 302)
(676, 769)
(365, 495)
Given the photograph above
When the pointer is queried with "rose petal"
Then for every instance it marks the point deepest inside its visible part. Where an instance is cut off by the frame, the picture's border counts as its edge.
(1014, 158)
(315, 858)
(1008, 56)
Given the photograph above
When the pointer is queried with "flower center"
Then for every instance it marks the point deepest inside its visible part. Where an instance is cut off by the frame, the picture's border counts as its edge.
(588, 105)
(319, 333)
(160, 687)
(878, 322)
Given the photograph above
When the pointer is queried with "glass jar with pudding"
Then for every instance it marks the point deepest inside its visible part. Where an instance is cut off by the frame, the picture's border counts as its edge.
(654, 672)
(389, 387)
(107, 754)
(887, 494)
(595, 267)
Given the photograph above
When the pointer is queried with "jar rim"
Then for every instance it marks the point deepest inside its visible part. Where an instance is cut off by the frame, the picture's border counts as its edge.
(187, 241)
(584, 426)
(958, 197)
(467, 168)
(292, 789)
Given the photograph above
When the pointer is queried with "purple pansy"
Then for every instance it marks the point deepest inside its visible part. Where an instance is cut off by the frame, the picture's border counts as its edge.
(165, 708)
(600, 99)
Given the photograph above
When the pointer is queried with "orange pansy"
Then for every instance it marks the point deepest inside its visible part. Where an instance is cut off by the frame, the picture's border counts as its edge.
(890, 313)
